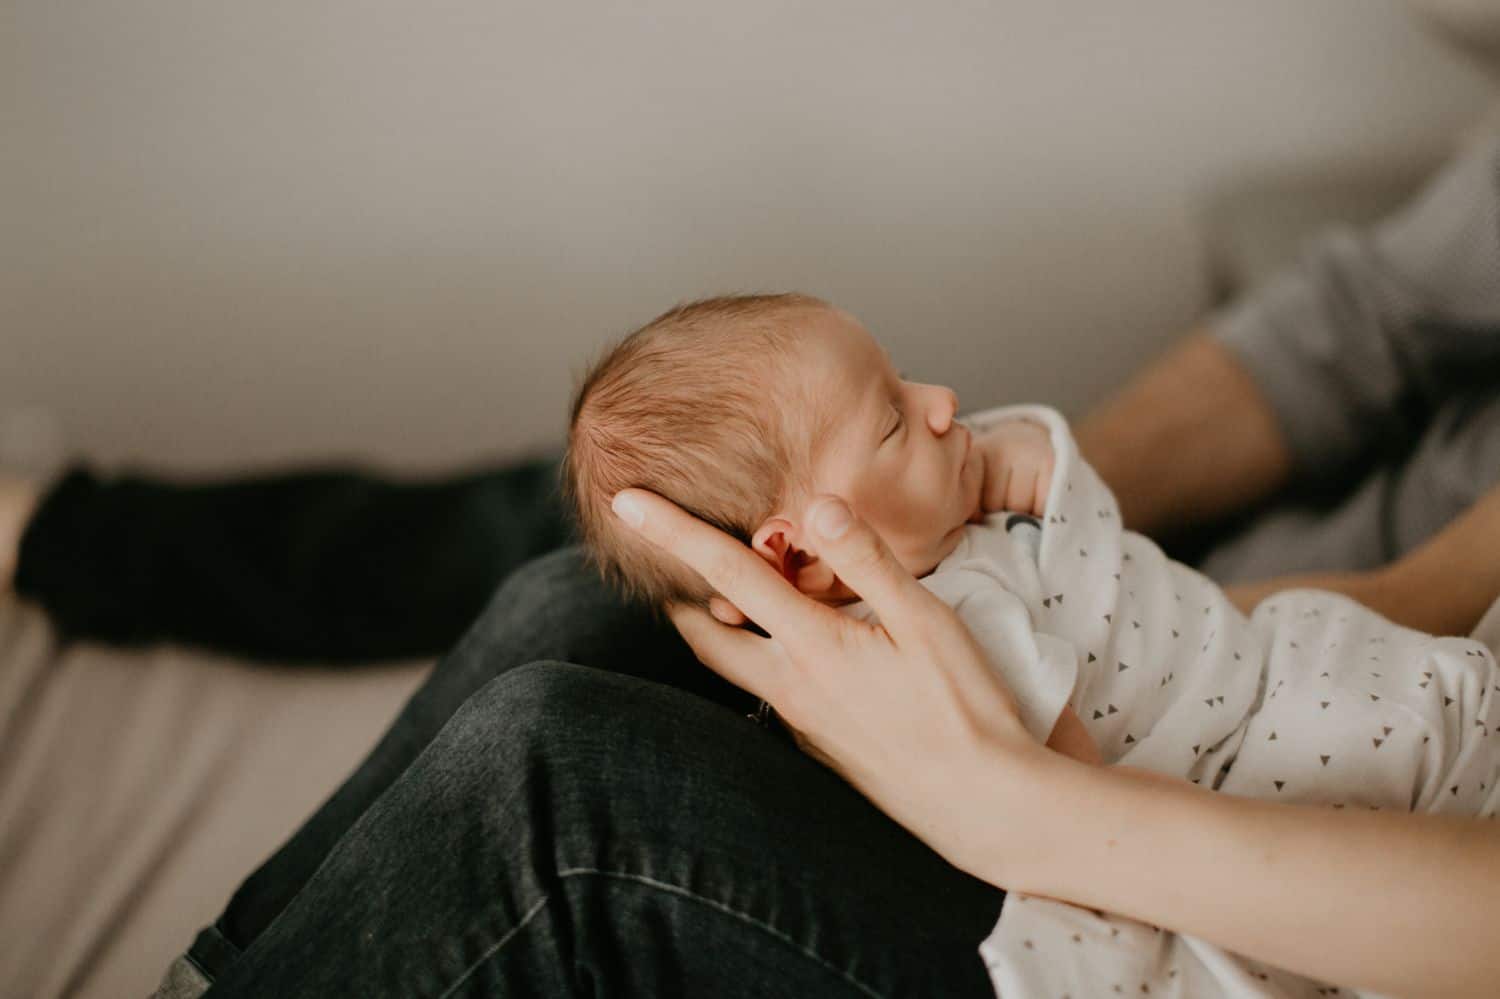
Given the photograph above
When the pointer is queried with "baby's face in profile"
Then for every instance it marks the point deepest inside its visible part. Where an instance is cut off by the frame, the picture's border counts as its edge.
(894, 452)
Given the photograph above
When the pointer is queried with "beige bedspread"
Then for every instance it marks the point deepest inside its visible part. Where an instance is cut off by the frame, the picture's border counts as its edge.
(137, 787)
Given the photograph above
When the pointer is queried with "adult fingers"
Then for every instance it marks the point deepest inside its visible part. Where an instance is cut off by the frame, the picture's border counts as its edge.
(859, 557)
(741, 657)
(726, 611)
(731, 568)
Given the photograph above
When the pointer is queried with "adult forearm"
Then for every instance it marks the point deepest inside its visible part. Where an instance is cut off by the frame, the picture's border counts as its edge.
(1445, 585)
(1399, 903)
(1442, 587)
(1187, 440)
(1369, 588)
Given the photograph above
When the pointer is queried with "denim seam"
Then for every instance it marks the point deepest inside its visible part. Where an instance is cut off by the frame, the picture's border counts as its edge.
(721, 907)
(494, 948)
(672, 889)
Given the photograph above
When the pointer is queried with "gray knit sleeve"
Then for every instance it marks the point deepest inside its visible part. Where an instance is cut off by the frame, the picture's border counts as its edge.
(1357, 343)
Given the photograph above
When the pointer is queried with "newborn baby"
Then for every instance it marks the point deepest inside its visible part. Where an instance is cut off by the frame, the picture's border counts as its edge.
(744, 409)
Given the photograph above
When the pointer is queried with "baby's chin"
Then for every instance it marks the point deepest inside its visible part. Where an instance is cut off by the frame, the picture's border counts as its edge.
(971, 484)
(946, 545)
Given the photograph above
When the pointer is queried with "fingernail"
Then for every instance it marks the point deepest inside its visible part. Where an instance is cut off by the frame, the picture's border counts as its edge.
(628, 510)
(832, 519)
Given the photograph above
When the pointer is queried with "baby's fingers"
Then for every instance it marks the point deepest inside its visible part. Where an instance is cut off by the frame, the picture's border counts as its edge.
(1022, 495)
(996, 485)
(1043, 487)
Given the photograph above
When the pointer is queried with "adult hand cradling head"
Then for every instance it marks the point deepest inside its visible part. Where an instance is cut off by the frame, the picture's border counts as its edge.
(908, 711)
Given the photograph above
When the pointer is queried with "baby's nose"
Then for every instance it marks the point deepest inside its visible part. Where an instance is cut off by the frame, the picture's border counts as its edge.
(940, 415)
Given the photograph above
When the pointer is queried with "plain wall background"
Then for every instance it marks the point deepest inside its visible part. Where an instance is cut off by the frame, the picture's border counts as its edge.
(242, 235)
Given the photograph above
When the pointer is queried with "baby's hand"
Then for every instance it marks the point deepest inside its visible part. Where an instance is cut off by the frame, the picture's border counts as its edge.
(1017, 466)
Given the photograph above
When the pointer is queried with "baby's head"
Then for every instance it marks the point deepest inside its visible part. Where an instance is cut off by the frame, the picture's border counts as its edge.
(744, 409)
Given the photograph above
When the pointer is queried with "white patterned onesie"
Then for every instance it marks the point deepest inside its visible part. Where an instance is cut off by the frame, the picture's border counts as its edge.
(1312, 699)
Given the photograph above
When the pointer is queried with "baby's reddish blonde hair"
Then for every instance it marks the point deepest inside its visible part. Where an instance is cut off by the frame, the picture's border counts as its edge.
(704, 405)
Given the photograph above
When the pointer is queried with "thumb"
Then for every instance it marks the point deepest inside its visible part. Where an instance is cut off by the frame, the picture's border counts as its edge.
(861, 558)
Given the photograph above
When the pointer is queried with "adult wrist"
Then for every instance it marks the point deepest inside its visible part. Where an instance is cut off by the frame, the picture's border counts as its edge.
(1024, 812)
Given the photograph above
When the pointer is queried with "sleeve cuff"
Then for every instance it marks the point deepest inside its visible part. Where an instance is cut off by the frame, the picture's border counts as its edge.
(1275, 337)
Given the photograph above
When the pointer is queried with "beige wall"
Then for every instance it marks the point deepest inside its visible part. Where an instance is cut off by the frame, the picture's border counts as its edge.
(264, 232)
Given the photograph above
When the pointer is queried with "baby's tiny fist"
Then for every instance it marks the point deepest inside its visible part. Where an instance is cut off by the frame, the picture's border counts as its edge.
(1018, 469)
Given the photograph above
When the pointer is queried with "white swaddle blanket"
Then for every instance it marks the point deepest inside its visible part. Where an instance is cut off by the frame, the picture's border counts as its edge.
(1312, 699)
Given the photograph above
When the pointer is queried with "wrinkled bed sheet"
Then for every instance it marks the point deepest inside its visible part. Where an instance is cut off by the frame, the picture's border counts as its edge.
(137, 787)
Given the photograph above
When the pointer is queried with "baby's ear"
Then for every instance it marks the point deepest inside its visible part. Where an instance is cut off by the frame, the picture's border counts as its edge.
(777, 541)
(774, 542)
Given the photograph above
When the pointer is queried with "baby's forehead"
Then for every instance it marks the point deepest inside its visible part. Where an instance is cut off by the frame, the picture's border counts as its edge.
(842, 379)
(843, 360)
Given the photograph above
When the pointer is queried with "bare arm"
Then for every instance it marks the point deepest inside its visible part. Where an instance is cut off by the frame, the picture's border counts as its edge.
(1188, 440)
(1071, 738)
(913, 715)
(1404, 904)
(1191, 439)
(1442, 587)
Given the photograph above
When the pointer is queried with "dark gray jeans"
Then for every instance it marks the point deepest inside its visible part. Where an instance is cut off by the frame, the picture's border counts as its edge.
(533, 827)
